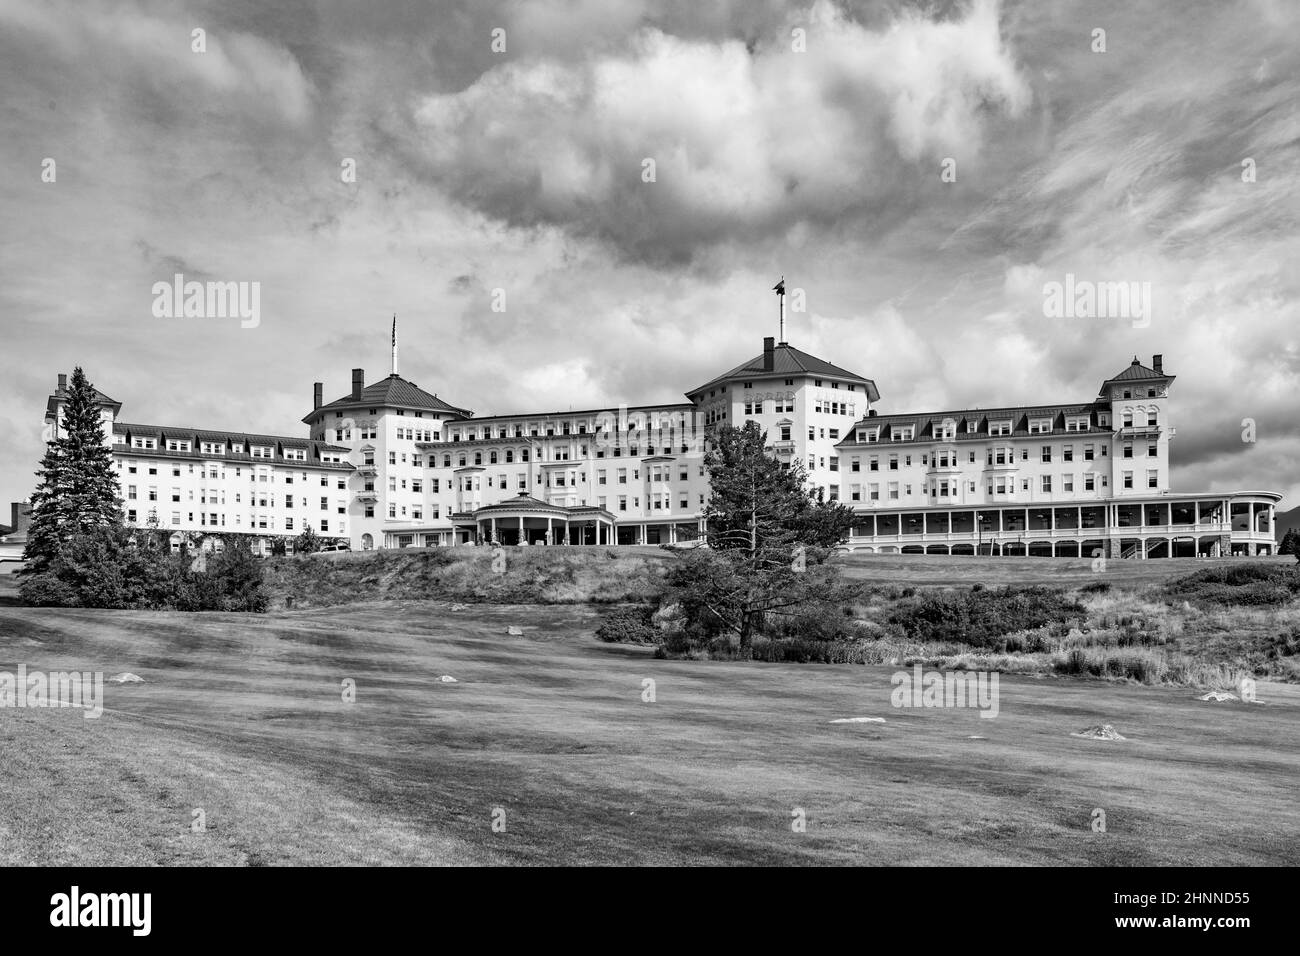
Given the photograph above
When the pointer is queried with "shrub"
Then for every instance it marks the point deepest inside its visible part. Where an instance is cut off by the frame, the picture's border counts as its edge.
(111, 568)
(627, 625)
(982, 618)
(1238, 585)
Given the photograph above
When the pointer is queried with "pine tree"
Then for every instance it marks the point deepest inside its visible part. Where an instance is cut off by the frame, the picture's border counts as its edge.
(758, 501)
(768, 535)
(1289, 543)
(78, 490)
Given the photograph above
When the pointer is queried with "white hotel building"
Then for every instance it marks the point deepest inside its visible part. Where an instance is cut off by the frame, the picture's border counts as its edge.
(391, 465)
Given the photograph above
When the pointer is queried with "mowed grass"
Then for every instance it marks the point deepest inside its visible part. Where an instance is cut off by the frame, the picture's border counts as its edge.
(242, 716)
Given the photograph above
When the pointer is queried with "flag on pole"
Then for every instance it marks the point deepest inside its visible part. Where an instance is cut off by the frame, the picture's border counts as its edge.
(779, 288)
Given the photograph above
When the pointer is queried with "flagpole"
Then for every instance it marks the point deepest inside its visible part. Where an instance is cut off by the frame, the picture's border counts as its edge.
(394, 343)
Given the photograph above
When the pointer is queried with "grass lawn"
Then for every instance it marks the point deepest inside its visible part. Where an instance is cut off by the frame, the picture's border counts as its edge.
(242, 716)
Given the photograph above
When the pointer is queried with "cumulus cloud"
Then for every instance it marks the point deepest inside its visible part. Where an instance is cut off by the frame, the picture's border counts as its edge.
(742, 142)
(234, 70)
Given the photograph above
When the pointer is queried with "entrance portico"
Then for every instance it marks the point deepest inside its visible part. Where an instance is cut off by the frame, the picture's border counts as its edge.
(525, 520)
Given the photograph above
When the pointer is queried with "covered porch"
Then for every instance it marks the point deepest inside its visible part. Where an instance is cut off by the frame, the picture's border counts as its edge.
(525, 520)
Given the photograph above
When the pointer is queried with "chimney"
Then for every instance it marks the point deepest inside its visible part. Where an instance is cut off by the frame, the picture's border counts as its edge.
(63, 381)
(358, 380)
(769, 358)
(871, 413)
(1158, 363)
(316, 396)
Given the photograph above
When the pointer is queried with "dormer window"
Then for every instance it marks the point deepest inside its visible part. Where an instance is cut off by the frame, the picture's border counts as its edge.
(1000, 428)
(1040, 426)
(901, 433)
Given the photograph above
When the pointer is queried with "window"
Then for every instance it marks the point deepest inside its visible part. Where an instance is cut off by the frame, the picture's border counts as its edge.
(855, 463)
(1047, 453)
(1089, 482)
(1128, 479)
(1152, 450)
(1153, 479)
(1067, 453)
(1000, 428)
(1128, 449)
(893, 463)
(1046, 483)
(1087, 452)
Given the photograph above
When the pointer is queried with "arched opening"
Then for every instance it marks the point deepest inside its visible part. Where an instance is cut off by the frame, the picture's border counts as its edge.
(937, 549)
(963, 549)
(367, 542)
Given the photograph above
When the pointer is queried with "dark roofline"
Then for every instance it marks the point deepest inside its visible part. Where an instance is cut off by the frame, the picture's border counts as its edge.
(673, 406)
(754, 369)
(1008, 411)
(210, 434)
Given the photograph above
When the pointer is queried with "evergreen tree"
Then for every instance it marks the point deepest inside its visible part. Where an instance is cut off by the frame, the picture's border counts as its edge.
(308, 542)
(757, 501)
(1289, 543)
(78, 491)
(768, 537)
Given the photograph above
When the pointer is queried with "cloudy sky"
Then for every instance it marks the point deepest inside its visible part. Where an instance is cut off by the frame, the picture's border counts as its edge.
(804, 140)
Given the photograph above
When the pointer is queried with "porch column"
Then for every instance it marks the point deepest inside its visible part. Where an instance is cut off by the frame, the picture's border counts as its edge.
(643, 534)
(672, 533)
(522, 539)
(550, 530)
(494, 530)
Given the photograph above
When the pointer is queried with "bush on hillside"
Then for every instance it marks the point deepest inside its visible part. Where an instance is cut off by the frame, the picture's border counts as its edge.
(118, 568)
(627, 625)
(1238, 585)
(981, 618)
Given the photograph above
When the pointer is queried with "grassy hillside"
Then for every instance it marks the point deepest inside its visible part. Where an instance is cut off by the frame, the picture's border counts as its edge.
(470, 575)
(612, 575)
